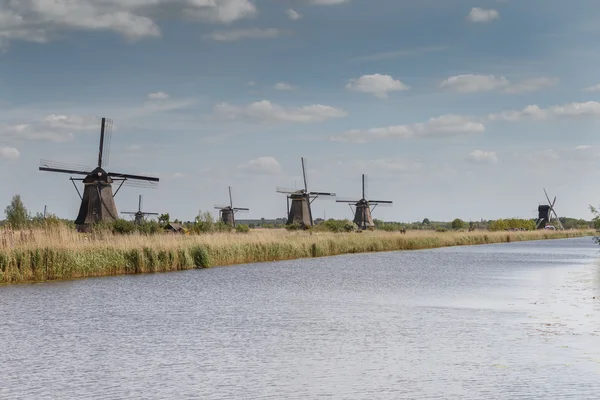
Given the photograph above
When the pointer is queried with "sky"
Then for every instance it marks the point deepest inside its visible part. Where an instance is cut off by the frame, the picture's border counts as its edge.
(454, 109)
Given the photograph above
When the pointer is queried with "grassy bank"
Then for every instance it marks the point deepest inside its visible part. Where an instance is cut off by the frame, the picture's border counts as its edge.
(60, 253)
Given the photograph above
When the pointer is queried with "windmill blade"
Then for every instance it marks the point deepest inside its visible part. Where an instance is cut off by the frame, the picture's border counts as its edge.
(136, 177)
(346, 200)
(230, 198)
(365, 186)
(381, 201)
(61, 165)
(304, 174)
(140, 203)
(150, 213)
(108, 127)
(220, 206)
(241, 209)
(140, 184)
(324, 194)
(129, 212)
(285, 190)
(548, 198)
(63, 170)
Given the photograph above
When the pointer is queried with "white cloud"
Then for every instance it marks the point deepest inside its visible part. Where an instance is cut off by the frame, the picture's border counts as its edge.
(482, 15)
(158, 96)
(472, 83)
(251, 83)
(250, 33)
(293, 15)
(443, 126)
(483, 157)
(42, 20)
(377, 84)
(9, 152)
(54, 128)
(262, 165)
(469, 83)
(283, 86)
(535, 112)
(266, 112)
(595, 88)
(386, 55)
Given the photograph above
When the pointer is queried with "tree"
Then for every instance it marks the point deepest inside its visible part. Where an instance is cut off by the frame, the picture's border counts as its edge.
(458, 224)
(426, 221)
(17, 215)
(164, 219)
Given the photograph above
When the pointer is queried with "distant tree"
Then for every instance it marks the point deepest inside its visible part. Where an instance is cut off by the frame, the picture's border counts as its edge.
(458, 224)
(426, 221)
(164, 219)
(17, 215)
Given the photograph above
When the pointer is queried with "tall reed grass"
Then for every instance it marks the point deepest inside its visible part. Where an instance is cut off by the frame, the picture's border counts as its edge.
(60, 253)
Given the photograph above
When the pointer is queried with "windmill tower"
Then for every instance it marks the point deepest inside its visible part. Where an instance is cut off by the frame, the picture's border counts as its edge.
(227, 213)
(139, 215)
(547, 213)
(97, 201)
(363, 208)
(300, 211)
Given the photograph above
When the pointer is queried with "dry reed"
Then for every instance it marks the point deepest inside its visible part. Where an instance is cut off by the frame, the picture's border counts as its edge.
(61, 253)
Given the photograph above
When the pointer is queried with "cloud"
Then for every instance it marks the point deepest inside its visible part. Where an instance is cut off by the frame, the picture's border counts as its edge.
(283, 86)
(293, 15)
(386, 55)
(483, 157)
(250, 33)
(262, 165)
(595, 88)
(9, 153)
(266, 112)
(535, 112)
(251, 83)
(158, 96)
(443, 126)
(472, 83)
(482, 15)
(42, 20)
(378, 85)
(54, 128)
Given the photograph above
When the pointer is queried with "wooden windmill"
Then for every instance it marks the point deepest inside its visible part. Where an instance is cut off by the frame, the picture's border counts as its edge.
(139, 215)
(227, 213)
(97, 201)
(547, 213)
(300, 211)
(363, 207)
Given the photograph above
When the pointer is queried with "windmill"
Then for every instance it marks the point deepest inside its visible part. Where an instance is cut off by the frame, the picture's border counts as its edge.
(97, 201)
(300, 211)
(363, 208)
(139, 214)
(227, 213)
(546, 212)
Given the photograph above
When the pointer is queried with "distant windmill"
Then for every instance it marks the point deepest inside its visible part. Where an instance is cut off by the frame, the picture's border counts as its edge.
(300, 211)
(140, 215)
(545, 213)
(362, 207)
(97, 202)
(227, 213)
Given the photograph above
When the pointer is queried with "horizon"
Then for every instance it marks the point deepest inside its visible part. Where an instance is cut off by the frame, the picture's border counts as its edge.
(465, 110)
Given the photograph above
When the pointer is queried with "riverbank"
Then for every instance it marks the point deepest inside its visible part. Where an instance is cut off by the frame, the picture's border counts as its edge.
(58, 254)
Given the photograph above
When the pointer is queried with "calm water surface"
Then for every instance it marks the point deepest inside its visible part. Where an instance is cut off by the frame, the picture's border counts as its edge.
(512, 321)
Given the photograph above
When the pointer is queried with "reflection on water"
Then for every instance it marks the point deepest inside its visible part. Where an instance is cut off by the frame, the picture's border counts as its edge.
(487, 322)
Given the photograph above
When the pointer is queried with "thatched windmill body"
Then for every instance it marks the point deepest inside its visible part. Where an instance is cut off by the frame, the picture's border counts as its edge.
(227, 213)
(97, 201)
(547, 213)
(300, 210)
(363, 208)
(139, 215)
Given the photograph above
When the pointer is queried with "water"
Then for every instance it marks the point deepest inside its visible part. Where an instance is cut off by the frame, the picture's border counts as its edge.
(509, 321)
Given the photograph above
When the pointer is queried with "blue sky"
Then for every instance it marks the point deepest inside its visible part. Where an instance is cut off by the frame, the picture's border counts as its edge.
(453, 108)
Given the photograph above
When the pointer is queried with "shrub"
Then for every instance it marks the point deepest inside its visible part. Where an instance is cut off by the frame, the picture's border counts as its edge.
(441, 229)
(293, 227)
(242, 228)
(123, 227)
